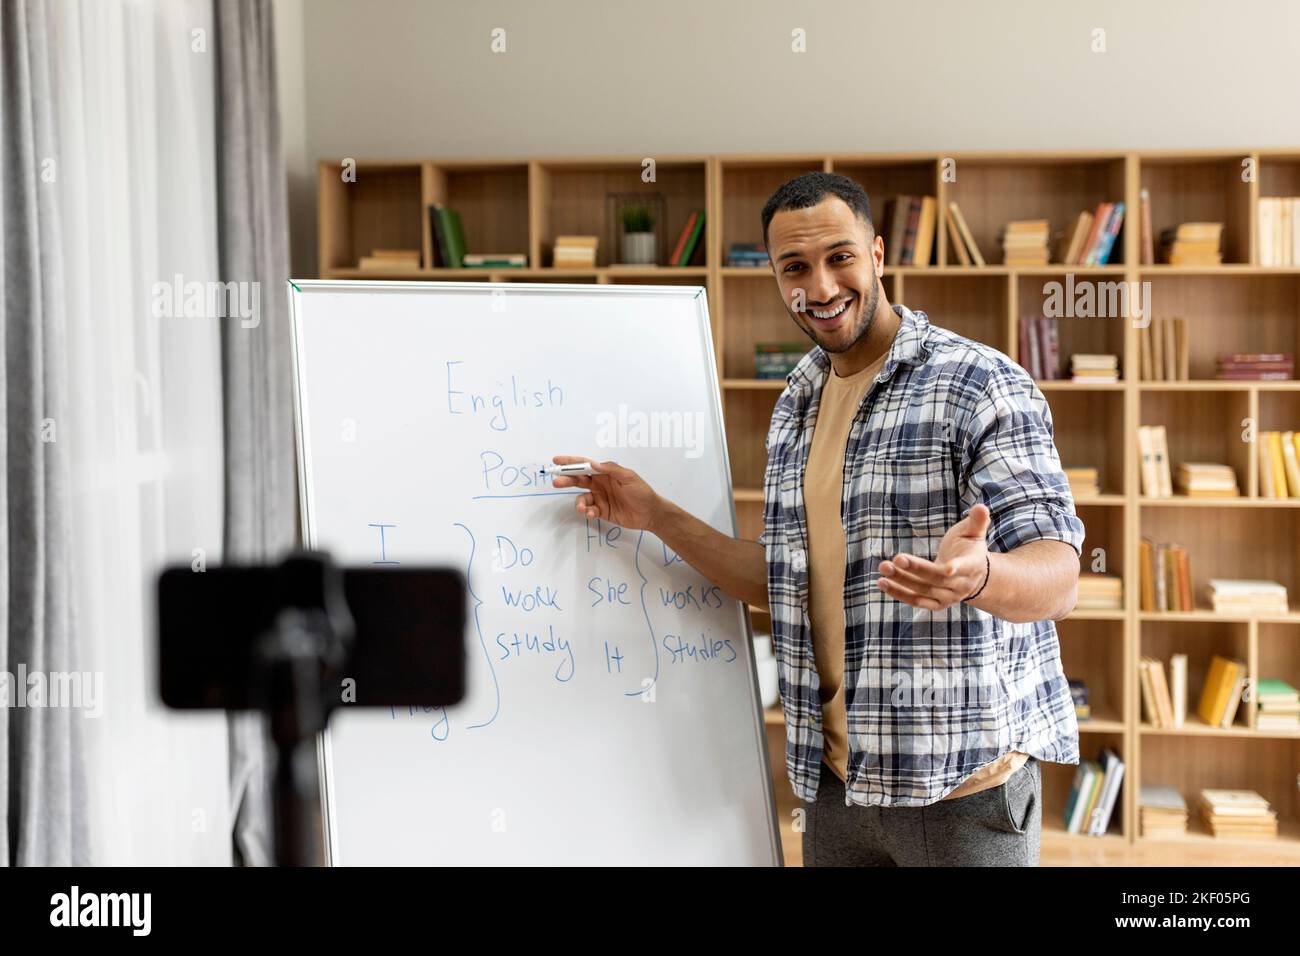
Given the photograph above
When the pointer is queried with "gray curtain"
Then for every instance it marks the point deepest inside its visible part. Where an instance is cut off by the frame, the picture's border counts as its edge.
(42, 790)
(261, 489)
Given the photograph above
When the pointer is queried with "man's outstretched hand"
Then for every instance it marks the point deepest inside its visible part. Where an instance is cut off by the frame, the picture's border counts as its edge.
(957, 571)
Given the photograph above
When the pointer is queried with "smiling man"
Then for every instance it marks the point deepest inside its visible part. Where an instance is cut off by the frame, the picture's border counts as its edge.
(919, 540)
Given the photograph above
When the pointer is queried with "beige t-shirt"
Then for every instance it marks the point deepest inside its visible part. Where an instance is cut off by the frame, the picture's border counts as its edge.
(823, 489)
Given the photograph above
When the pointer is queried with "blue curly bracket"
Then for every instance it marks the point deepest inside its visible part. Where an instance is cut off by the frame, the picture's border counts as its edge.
(478, 627)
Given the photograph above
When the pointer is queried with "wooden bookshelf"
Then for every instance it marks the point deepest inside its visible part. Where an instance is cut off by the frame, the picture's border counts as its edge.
(520, 205)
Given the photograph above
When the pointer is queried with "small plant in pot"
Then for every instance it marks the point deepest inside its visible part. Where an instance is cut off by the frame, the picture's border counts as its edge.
(638, 235)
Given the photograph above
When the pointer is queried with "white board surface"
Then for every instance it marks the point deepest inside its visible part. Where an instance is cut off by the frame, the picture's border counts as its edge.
(612, 712)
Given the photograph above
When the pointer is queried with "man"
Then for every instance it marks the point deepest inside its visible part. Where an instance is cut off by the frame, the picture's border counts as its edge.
(919, 540)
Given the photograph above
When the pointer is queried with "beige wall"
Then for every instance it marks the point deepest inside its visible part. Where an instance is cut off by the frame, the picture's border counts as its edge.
(415, 78)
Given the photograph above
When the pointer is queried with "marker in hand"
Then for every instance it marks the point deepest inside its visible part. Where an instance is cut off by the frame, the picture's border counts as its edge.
(578, 468)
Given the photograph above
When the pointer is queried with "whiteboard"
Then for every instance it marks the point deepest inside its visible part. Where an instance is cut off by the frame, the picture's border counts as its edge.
(612, 713)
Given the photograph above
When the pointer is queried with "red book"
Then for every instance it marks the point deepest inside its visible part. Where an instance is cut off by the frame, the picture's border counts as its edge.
(681, 240)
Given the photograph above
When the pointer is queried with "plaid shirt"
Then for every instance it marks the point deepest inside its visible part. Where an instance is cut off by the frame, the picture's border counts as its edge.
(930, 696)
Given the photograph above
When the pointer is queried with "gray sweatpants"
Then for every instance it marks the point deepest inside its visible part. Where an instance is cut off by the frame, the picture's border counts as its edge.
(998, 826)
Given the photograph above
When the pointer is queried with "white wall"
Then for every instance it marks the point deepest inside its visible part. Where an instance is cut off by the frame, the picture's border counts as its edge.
(417, 78)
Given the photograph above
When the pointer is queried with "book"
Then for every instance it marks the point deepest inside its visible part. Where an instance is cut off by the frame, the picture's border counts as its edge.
(925, 231)
(686, 249)
(956, 243)
(449, 239)
(1147, 241)
(964, 230)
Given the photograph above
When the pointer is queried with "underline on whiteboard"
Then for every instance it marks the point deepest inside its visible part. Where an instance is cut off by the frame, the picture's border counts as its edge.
(530, 494)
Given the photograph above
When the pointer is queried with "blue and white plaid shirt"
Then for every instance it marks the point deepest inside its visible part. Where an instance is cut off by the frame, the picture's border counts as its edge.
(931, 696)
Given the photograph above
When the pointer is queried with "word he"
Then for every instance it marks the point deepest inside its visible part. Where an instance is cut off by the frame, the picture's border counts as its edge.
(103, 909)
(518, 646)
(496, 403)
(709, 649)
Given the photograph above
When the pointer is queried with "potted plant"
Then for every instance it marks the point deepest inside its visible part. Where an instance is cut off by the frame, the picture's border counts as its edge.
(638, 235)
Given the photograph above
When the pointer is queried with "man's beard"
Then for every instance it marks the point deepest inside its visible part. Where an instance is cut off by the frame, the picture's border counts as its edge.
(867, 319)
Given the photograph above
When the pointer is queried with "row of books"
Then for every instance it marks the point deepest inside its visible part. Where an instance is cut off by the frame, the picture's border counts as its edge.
(1279, 230)
(1163, 350)
(963, 242)
(1164, 577)
(776, 360)
(1094, 794)
(1254, 366)
(1163, 812)
(1092, 238)
(1164, 702)
(1153, 461)
(688, 240)
(1192, 244)
(748, 255)
(1279, 464)
(1039, 354)
(908, 228)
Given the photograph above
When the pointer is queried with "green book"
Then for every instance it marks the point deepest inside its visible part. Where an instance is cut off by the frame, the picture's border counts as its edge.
(447, 232)
(689, 249)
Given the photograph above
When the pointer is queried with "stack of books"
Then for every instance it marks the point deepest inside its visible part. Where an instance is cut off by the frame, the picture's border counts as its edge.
(1100, 592)
(1242, 596)
(1094, 368)
(1221, 695)
(494, 260)
(908, 229)
(963, 243)
(1079, 693)
(1024, 242)
(575, 252)
(1163, 351)
(1040, 347)
(1254, 366)
(1193, 244)
(1163, 811)
(1238, 814)
(1093, 794)
(1279, 464)
(1153, 462)
(1204, 479)
(776, 360)
(748, 255)
(391, 260)
(1083, 482)
(1090, 239)
(1278, 705)
(1279, 231)
(1164, 577)
(1164, 701)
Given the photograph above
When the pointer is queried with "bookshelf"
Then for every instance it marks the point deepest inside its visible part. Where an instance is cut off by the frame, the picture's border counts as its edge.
(517, 205)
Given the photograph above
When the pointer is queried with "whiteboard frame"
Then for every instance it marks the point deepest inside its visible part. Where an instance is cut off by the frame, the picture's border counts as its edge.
(298, 287)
